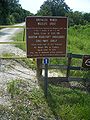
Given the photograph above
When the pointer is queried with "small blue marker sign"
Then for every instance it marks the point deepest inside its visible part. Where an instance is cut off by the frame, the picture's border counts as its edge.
(45, 61)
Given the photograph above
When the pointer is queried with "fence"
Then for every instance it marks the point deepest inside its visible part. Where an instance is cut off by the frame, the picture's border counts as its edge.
(68, 68)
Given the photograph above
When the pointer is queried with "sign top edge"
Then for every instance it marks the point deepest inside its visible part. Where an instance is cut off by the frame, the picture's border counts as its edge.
(46, 17)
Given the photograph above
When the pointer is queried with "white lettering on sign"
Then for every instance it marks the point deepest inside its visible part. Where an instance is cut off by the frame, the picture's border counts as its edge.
(38, 40)
(87, 62)
(53, 40)
(52, 23)
(44, 36)
(36, 33)
(42, 23)
(58, 36)
(32, 37)
(53, 33)
(45, 40)
(54, 20)
(40, 19)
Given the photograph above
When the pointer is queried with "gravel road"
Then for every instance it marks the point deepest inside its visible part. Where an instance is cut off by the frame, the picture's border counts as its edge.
(6, 36)
(11, 69)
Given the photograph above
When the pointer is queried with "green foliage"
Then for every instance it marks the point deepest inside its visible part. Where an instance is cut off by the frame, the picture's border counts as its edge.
(54, 8)
(7, 55)
(45, 9)
(11, 12)
(76, 18)
(31, 63)
(13, 88)
(69, 104)
(21, 38)
(5, 7)
(79, 39)
(87, 17)
(11, 19)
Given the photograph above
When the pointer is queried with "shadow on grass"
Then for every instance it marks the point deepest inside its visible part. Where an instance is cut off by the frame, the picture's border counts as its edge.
(69, 104)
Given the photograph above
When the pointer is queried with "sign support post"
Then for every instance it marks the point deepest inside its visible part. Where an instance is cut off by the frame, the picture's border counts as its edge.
(46, 77)
(39, 68)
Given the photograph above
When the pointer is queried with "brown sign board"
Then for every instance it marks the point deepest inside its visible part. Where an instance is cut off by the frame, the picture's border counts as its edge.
(46, 36)
(86, 61)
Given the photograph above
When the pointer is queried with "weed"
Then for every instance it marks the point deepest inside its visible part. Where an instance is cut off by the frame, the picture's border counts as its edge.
(69, 104)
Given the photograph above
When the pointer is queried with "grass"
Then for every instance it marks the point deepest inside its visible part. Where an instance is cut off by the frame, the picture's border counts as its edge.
(79, 43)
(26, 103)
(20, 37)
(7, 55)
(65, 103)
(79, 39)
(69, 104)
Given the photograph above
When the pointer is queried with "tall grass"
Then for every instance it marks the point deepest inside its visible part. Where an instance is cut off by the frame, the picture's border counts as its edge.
(20, 37)
(79, 39)
(69, 104)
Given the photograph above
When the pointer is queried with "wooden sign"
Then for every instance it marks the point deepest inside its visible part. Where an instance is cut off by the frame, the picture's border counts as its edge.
(86, 61)
(46, 36)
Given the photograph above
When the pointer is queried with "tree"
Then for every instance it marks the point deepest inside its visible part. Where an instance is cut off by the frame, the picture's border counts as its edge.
(11, 12)
(87, 17)
(3, 11)
(54, 8)
(5, 7)
(45, 9)
(76, 18)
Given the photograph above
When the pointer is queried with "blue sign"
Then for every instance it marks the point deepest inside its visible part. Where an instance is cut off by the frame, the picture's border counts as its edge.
(46, 61)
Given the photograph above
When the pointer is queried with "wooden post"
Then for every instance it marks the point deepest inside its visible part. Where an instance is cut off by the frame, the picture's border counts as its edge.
(24, 34)
(39, 68)
(68, 66)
